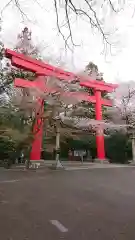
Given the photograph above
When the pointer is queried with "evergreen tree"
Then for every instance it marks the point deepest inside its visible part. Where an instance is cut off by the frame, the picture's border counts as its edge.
(25, 44)
(15, 124)
(92, 70)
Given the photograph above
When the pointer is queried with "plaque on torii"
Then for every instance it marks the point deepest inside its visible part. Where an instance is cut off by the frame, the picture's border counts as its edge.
(42, 69)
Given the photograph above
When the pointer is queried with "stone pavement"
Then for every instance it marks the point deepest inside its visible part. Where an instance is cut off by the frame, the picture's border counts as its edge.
(74, 165)
(97, 204)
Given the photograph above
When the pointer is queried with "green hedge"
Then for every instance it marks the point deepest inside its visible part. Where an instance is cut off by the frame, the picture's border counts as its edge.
(118, 148)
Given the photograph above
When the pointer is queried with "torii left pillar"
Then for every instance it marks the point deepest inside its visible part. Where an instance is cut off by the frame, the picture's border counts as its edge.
(37, 133)
(39, 84)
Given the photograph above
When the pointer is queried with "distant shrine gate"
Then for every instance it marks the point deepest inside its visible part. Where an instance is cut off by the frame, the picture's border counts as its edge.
(42, 69)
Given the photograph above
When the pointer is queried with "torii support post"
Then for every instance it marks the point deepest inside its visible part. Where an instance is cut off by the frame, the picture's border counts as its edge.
(100, 132)
(37, 133)
(27, 63)
(100, 87)
(39, 84)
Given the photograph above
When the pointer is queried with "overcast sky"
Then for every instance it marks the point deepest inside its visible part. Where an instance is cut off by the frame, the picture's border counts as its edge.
(118, 66)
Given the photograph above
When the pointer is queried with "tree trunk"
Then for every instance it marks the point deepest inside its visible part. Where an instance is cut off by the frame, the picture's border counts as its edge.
(133, 148)
(57, 157)
(27, 157)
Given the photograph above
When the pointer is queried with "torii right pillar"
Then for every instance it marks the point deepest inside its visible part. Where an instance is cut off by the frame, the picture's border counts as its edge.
(99, 133)
(99, 87)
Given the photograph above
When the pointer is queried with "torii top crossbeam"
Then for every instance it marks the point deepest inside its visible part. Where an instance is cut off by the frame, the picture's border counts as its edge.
(27, 63)
(37, 66)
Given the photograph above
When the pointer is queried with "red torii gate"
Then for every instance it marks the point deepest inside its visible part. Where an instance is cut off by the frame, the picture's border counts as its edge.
(43, 69)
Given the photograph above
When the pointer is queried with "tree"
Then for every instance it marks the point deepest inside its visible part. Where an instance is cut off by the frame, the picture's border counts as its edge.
(79, 116)
(118, 147)
(124, 110)
(16, 124)
(92, 70)
(14, 131)
(87, 108)
(22, 103)
(5, 73)
(59, 95)
(59, 98)
(61, 118)
(25, 45)
(89, 10)
(10, 117)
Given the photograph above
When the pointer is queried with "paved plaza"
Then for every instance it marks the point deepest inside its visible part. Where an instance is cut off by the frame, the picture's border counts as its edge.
(92, 204)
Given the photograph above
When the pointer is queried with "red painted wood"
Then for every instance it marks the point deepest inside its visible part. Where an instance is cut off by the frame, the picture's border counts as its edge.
(39, 84)
(19, 82)
(97, 85)
(100, 146)
(37, 63)
(98, 106)
(99, 134)
(42, 87)
(59, 75)
(38, 133)
(21, 63)
(27, 63)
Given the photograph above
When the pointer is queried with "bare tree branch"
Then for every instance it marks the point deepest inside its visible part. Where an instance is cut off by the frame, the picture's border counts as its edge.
(24, 15)
(90, 13)
(6, 6)
(97, 24)
(68, 23)
(111, 4)
(58, 26)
